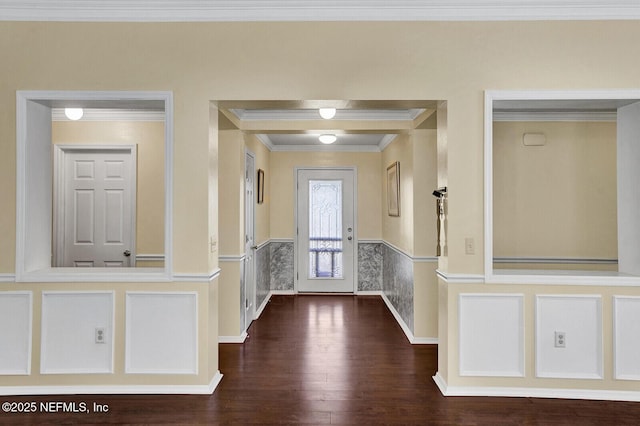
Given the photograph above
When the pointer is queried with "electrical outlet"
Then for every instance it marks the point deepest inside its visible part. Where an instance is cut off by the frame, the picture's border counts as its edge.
(100, 335)
(560, 339)
(469, 246)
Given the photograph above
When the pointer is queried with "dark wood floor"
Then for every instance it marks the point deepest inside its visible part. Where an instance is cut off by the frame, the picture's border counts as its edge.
(330, 360)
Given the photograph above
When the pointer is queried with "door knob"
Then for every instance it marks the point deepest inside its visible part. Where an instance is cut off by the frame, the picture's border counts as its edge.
(127, 253)
(349, 238)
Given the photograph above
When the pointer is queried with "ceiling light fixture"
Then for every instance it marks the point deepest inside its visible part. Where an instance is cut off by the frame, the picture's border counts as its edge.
(328, 139)
(327, 113)
(74, 113)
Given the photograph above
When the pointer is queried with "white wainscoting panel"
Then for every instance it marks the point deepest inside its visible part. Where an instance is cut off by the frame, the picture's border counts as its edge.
(15, 332)
(580, 318)
(69, 323)
(161, 333)
(491, 335)
(627, 337)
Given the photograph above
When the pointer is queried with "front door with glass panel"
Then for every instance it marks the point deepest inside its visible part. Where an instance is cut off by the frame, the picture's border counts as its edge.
(326, 233)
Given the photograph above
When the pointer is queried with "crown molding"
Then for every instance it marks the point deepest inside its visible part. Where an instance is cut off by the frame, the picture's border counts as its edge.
(106, 114)
(316, 10)
(342, 114)
(609, 116)
(325, 148)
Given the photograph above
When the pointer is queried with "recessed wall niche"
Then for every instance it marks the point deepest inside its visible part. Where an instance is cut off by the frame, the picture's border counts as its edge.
(562, 207)
(37, 185)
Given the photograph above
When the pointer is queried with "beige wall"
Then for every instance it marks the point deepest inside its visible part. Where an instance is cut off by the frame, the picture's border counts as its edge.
(282, 188)
(231, 192)
(149, 139)
(557, 200)
(398, 230)
(452, 61)
(414, 231)
(263, 211)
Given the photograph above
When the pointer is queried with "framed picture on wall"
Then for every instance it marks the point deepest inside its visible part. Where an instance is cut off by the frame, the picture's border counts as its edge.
(393, 189)
(260, 186)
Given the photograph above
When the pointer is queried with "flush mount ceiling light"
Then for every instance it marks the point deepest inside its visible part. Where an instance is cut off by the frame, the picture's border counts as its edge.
(327, 139)
(327, 113)
(74, 113)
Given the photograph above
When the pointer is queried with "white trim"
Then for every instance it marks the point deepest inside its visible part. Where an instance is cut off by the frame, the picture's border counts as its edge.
(539, 372)
(346, 10)
(232, 258)
(233, 339)
(460, 278)
(556, 260)
(369, 293)
(424, 341)
(265, 140)
(616, 337)
(365, 241)
(127, 355)
(264, 244)
(403, 325)
(115, 390)
(283, 293)
(311, 114)
(7, 278)
(561, 277)
(520, 372)
(282, 240)
(111, 114)
(43, 327)
(263, 305)
(565, 116)
(533, 277)
(325, 148)
(27, 369)
(23, 97)
(415, 259)
(150, 257)
(197, 278)
(386, 141)
(535, 392)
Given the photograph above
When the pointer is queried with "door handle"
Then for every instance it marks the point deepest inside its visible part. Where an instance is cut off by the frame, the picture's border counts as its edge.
(349, 238)
(127, 253)
(254, 247)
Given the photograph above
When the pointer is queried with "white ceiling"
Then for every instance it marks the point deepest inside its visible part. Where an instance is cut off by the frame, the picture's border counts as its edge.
(363, 126)
(316, 10)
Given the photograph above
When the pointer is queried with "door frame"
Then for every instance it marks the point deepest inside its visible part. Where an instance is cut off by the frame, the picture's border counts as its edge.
(253, 283)
(59, 157)
(353, 169)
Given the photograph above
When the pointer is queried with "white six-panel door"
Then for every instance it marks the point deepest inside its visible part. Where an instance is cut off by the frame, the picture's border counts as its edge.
(95, 203)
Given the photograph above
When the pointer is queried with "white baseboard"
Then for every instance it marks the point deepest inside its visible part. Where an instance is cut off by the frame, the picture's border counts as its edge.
(368, 293)
(263, 305)
(403, 325)
(424, 341)
(113, 390)
(283, 292)
(533, 392)
(233, 339)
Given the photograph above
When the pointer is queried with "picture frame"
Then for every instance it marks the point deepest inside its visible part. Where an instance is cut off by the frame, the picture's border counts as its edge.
(393, 189)
(260, 186)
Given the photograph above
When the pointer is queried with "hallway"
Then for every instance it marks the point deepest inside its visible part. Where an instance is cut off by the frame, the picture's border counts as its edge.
(328, 360)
